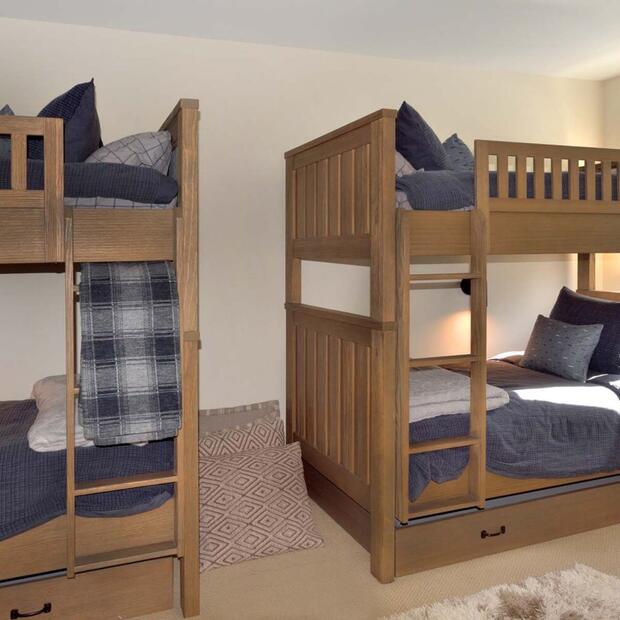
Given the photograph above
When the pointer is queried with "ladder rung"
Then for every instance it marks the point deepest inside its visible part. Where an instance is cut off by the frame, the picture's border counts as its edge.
(125, 482)
(439, 506)
(425, 277)
(124, 556)
(442, 444)
(425, 362)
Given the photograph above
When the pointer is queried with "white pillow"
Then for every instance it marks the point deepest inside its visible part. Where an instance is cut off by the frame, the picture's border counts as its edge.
(152, 149)
(47, 434)
(401, 166)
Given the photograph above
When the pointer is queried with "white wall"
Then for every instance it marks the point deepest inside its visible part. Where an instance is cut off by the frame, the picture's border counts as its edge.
(257, 101)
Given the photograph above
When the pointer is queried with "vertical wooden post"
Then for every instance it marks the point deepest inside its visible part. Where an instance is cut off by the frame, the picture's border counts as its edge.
(53, 145)
(70, 394)
(293, 295)
(586, 272)
(186, 264)
(403, 319)
(478, 308)
(382, 309)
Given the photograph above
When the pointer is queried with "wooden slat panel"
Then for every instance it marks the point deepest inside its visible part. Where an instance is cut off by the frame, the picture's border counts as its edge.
(300, 203)
(333, 202)
(351, 250)
(573, 179)
(322, 197)
(54, 179)
(521, 176)
(322, 393)
(347, 430)
(310, 203)
(590, 180)
(310, 387)
(300, 422)
(18, 161)
(347, 193)
(539, 178)
(502, 175)
(14, 199)
(334, 404)
(362, 412)
(606, 181)
(115, 235)
(362, 189)
(556, 178)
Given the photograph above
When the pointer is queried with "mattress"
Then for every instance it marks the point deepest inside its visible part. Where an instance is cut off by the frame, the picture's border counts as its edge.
(551, 428)
(32, 484)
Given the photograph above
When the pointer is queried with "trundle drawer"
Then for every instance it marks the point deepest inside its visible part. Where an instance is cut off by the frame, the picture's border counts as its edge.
(458, 538)
(111, 593)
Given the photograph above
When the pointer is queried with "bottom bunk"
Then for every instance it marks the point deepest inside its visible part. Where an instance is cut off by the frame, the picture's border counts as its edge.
(33, 499)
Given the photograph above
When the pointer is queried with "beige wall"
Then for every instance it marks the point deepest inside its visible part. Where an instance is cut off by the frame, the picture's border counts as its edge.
(610, 263)
(256, 102)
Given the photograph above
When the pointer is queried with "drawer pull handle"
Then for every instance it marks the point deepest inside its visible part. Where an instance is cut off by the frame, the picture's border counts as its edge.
(46, 609)
(484, 534)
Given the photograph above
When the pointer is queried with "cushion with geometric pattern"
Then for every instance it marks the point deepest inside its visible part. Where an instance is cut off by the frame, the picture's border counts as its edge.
(265, 433)
(151, 149)
(252, 505)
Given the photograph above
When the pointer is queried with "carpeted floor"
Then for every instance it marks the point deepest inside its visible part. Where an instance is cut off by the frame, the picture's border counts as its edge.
(334, 583)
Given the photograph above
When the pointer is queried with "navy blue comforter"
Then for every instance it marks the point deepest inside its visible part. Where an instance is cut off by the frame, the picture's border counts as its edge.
(32, 484)
(551, 428)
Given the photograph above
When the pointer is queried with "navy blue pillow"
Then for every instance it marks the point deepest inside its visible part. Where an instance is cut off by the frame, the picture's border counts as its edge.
(459, 154)
(81, 123)
(417, 142)
(577, 309)
(438, 190)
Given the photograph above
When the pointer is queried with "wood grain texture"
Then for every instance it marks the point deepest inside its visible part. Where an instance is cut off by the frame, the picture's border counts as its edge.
(121, 592)
(93, 535)
(455, 539)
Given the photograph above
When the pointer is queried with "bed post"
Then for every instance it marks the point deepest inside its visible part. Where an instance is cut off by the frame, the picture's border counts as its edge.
(382, 310)
(293, 295)
(586, 272)
(186, 262)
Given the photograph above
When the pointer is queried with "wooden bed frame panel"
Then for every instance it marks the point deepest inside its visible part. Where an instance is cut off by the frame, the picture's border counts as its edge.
(43, 548)
(340, 208)
(81, 545)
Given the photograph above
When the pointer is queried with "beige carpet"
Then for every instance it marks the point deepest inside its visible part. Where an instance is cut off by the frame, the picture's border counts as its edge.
(334, 583)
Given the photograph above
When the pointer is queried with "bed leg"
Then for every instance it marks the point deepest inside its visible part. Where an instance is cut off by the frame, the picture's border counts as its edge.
(190, 582)
(383, 461)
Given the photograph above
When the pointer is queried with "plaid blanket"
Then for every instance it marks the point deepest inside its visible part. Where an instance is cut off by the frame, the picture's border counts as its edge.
(130, 361)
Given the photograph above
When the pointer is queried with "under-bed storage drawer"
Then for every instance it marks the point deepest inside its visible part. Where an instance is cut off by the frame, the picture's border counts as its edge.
(458, 538)
(119, 592)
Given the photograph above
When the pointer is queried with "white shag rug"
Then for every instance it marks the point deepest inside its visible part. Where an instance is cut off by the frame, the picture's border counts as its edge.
(579, 593)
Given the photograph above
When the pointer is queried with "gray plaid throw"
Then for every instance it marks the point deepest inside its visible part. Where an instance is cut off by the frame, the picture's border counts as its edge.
(130, 360)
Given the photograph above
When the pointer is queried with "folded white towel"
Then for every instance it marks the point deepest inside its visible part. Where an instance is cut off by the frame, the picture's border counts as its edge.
(437, 391)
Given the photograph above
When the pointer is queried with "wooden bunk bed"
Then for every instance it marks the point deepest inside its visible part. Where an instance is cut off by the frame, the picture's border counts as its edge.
(113, 566)
(347, 375)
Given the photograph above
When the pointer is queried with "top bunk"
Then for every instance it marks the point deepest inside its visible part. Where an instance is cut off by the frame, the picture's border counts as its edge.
(34, 206)
(531, 199)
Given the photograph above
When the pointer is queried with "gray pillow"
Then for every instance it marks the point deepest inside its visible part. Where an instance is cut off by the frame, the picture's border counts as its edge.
(401, 166)
(150, 150)
(5, 142)
(561, 348)
(459, 154)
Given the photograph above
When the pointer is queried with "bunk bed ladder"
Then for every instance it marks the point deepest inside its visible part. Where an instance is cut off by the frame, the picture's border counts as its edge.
(74, 562)
(475, 441)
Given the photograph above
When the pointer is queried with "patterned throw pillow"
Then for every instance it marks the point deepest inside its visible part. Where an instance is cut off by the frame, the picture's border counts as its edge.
(402, 166)
(211, 420)
(253, 505)
(560, 348)
(459, 154)
(577, 309)
(81, 123)
(150, 150)
(265, 433)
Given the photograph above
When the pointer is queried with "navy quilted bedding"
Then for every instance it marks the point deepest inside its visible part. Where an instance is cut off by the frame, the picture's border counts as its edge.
(32, 484)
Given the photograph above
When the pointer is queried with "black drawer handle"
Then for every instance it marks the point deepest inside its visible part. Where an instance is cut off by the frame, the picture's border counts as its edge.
(46, 609)
(485, 534)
